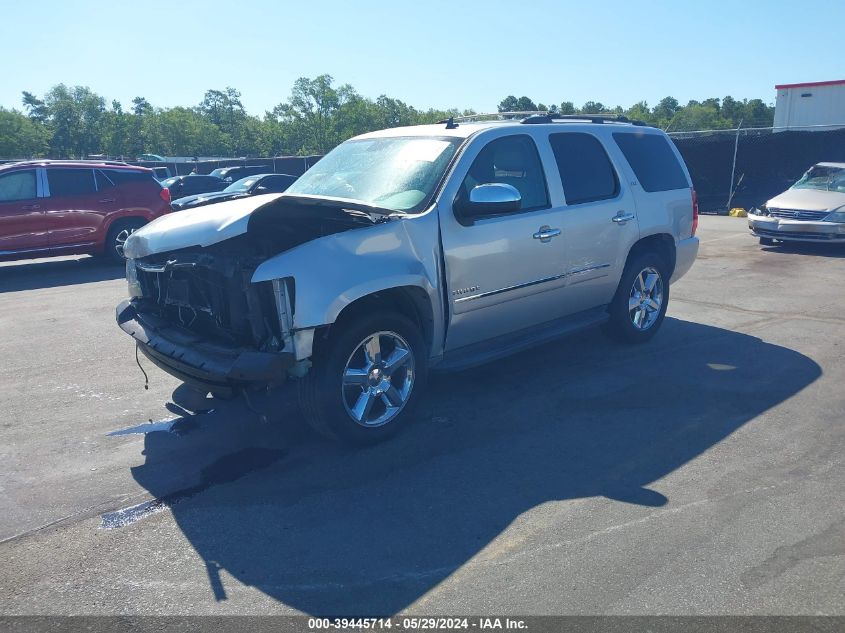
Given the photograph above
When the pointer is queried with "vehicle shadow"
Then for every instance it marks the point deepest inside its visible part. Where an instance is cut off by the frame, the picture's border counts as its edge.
(331, 531)
(52, 273)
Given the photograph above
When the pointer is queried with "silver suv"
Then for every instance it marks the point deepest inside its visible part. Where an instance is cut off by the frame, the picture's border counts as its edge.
(403, 250)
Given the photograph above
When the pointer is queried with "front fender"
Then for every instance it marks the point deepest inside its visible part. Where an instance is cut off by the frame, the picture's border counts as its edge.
(333, 271)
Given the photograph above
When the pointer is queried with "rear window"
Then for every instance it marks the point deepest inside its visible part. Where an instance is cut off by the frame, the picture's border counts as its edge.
(70, 182)
(585, 170)
(652, 160)
(122, 176)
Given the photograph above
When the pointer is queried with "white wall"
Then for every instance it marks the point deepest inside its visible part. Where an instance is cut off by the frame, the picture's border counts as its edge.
(824, 106)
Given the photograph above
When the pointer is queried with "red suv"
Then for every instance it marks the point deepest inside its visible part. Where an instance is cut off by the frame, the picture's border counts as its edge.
(72, 207)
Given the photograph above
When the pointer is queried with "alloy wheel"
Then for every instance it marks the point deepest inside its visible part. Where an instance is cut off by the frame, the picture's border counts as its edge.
(120, 240)
(378, 379)
(646, 298)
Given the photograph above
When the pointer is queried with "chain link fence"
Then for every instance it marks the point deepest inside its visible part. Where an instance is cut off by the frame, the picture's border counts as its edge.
(747, 166)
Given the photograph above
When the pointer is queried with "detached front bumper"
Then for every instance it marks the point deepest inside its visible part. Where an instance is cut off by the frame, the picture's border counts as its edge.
(796, 230)
(197, 361)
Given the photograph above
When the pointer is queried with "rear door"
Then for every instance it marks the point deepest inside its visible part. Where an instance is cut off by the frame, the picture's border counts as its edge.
(598, 219)
(504, 272)
(74, 209)
(22, 226)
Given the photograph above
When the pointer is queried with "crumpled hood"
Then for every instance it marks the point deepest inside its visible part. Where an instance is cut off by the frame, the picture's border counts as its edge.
(201, 226)
(807, 200)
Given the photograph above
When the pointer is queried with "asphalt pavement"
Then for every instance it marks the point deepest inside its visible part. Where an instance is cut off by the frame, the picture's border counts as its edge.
(701, 473)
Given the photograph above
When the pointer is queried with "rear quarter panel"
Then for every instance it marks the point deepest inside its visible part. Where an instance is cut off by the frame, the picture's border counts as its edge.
(667, 212)
(134, 200)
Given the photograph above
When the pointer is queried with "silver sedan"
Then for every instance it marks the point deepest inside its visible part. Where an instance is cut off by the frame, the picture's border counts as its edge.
(812, 210)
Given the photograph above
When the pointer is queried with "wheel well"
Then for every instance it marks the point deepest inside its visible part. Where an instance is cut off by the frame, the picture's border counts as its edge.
(410, 301)
(126, 219)
(661, 243)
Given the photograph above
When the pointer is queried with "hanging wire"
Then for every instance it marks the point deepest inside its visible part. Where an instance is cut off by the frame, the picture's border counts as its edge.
(138, 361)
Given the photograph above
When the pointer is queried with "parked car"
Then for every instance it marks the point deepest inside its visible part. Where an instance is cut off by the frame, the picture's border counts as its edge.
(73, 207)
(192, 184)
(811, 210)
(249, 186)
(409, 249)
(231, 174)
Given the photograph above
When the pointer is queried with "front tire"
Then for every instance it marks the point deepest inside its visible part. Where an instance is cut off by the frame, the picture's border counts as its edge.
(366, 379)
(639, 306)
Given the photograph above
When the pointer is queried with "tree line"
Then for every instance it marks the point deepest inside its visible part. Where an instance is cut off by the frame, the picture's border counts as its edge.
(668, 114)
(76, 122)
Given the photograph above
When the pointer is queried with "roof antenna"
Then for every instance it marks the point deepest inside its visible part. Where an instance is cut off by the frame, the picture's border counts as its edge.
(450, 123)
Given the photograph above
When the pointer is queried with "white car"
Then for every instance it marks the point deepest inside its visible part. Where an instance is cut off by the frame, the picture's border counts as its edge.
(811, 210)
(437, 246)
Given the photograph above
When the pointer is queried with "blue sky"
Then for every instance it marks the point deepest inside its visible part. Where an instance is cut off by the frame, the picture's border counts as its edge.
(427, 53)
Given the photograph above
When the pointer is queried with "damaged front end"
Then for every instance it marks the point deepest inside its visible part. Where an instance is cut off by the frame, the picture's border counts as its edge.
(195, 312)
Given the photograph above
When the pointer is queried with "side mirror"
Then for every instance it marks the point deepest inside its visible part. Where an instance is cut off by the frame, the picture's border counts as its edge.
(491, 199)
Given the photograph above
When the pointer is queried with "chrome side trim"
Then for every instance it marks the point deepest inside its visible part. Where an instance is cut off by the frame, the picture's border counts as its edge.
(25, 250)
(578, 271)
(45, 248)
(528, 284)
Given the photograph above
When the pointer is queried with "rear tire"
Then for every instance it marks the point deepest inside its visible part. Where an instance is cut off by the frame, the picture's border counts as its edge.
(640, 302)
(117, 236)
(365, 379)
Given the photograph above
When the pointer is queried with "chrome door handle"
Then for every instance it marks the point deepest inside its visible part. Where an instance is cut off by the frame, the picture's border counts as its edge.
(31, 207)
(546, 233)
(622, 217)
(106, 200)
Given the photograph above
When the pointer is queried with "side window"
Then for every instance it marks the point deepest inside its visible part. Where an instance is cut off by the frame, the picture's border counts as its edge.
(70, 182)
(103, 181)
(123, 176)
(19, 185)
(512, 160)
(585, 169)
(652, 160)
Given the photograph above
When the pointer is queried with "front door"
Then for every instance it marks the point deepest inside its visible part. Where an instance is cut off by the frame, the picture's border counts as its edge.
(505, 272)
(22, 225)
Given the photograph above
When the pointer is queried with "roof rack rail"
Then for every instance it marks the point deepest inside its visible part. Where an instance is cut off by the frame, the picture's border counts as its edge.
(592, 118)
(454, 120)
(98, 161)
(539, 116)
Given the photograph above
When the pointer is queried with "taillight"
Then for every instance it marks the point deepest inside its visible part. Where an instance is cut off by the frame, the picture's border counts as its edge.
(694, 212)
(165, 195)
